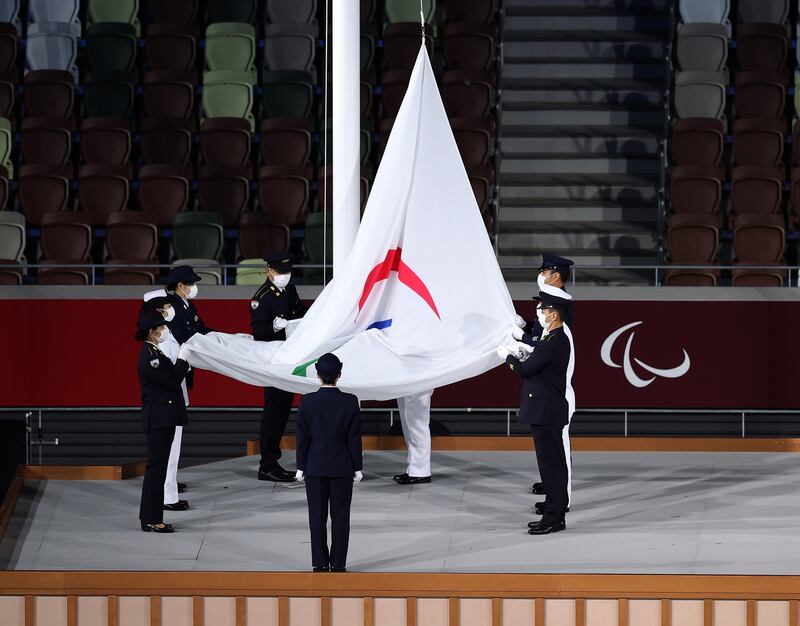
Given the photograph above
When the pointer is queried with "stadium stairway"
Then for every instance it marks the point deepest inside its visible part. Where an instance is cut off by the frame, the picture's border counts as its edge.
(582, 117)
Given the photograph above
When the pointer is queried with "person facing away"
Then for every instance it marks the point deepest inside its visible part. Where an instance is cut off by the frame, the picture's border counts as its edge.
(329, 461)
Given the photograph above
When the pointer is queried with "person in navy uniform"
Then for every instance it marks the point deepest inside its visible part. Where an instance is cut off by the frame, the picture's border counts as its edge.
(329, 461)
(271, 307)
(543, 405)
(163, 409)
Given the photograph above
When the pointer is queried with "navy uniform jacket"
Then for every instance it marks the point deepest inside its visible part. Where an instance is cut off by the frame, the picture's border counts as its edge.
(329, 433)
(186, 321)
(544, 381)
(160, 382)
(270, 302)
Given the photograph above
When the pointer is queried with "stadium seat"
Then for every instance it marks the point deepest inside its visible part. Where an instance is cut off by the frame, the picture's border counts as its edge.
(169, 93)
(225, 141)
(8, 90)
(287, 94)
(125, 11)
(231, 11)
(761, 47)
(796, 142)
(173, 11)
(55, 11)
(105, 140)
(691, 278)
(401, 44)
(228, 94)
(702, 47)
(111, 46)
(225, 189)
(480, 178)
(103, 190)
(405, 11)
(286, 141)
(763, 11)
(171, 47)
(365, 97)
(197, 234)
(692, 239)
(755, 190)
(759, 240)
(231, 46)
(6, 143)
(469, 46)
(467, 94)
(760, 94)
(294, 11)
(394, 86)
(49, 93)
(697, 141)
(475, 139)
(66, 239)
(131, 239)
(794, 215)
(696, 189)
(283, 192)
(716, 11)
(259, 235)
(12, 237)
(251, 272)
(9, 12)
(290, 46)
(700, 94)
(473, 11)
(43, 189)
(317, 249)
(4, 188)
(108, 94)
(209, 270)
(52, 46)
(367, 51)
(46, 140)
(164, 191)
(368, 10)
(758, 142)
(8, 47)
(166, 140)
(385, 132)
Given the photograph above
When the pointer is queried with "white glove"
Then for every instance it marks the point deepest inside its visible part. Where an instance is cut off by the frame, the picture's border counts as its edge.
(298, 475)
(244, 335)
(516, 332)
(358, 477)
(519, 321)
(183, 352)
(503, 352)
(523, 351)
(279, 324)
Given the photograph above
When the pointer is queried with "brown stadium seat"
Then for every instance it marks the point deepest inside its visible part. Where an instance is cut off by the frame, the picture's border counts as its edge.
(175, 11)
(283, 192)
(691, 278)
(794, 214)
(169, 93)
(760, 94)
(105, 140)
(260, 236)
(796, 142)
(476, 11)
(394, 86)
(164, 191)
(103, 190)
(8, 91)
(481, 178)
(759, 240)
(171, 46)
(43, 189)
(755, 190)
(131, 239)
(697, 189)
(225, 141)
(401, 41)
(467, 94)
(49, 93)
(758, 142)
(166, 140)
(697, 141)
(475, 139)
(47, 140)
(368, 8)
(225, 189)
(8, 47)
(693, 239)
(469, 46)
(365, 96)
(286, 141)
(761, 47)
(66, 239)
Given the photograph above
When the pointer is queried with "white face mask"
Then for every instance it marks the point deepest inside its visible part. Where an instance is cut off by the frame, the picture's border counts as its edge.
(541, 281)
(169, 314)
(162, 336)
(542, 317)
(281, 280)
(192, 292)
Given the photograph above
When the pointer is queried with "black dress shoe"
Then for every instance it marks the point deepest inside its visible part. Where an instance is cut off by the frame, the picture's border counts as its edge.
(180, 505)
(399, 477)
(537, 489)
(545, 528)
(338, 569)
(405, 479)
(538, 508)
(182, 487)
(321, 568)
(155, 528)
(275, 476)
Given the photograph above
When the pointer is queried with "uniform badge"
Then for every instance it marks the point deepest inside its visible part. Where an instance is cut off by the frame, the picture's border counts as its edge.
(154, 363)
(195, 318)
(254, 304)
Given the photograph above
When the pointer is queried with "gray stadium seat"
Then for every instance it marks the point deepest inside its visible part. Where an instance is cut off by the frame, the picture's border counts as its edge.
(9, 12)
(705, 11)
(290, 46)
(52, 46)
(763, 11)
(66, 11)
(211, 275)
(700, 94)
(702, 47)
(293, 11)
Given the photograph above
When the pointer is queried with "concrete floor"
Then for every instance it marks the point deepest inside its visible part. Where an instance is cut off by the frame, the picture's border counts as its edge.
(661, 513)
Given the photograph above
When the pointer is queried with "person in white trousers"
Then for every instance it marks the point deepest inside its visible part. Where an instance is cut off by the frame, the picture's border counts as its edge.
(415, 418)
(170, 348)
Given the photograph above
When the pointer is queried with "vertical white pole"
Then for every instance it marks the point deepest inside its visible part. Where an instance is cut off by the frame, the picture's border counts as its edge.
(345, 83)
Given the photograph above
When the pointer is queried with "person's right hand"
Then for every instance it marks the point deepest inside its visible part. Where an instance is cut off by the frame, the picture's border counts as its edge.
(359, 476)
(516, 332)
(279, 324)
(299, 476)
(519, 321)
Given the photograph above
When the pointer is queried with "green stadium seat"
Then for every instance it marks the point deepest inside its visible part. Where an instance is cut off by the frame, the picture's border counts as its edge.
(197, 235)
(111, 46)
(124, 11)
(231, 11)
(251, 272)
(231, 46)
(315, 247)
(228, 93)
(408, 11)
(6, 142)
(287, 93)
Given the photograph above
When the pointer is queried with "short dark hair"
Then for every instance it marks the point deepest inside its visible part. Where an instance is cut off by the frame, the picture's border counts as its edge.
(564, 275)
(172, 286)
(329, 380)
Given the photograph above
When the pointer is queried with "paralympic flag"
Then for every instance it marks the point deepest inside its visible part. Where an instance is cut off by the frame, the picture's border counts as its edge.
(420, 302)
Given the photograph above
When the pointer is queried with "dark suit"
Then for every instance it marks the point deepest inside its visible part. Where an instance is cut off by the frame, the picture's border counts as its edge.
(185, 324)
(266, 304)
(163, 408)
(543, 405)
(329, 453)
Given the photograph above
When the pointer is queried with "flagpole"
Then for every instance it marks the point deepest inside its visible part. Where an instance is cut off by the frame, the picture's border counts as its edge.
(345, 36)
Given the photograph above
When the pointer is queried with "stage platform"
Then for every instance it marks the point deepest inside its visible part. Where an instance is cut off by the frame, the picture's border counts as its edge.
(655, 513)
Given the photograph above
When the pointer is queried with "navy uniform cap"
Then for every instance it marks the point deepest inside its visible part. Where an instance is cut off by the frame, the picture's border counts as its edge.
(182, 274)
(550, 300)
(553, 262)
(148, 319)
(329, 365)
(281, 262)
(155, 303)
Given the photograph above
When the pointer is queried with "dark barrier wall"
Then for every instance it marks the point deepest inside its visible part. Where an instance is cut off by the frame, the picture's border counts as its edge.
(679, 354)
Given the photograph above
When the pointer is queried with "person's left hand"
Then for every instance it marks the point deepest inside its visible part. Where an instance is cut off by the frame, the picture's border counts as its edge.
(299, 476)
(519, 321)
(359, 476)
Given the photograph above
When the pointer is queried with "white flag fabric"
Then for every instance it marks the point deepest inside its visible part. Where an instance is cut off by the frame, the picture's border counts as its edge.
(420, 302)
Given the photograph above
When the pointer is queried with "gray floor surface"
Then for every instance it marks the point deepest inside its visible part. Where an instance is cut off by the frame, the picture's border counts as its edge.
(658, 513)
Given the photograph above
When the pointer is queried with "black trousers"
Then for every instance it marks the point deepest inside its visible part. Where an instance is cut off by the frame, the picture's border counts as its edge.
(277, 406)
(552, 463)
(159, 441)
(322, 494)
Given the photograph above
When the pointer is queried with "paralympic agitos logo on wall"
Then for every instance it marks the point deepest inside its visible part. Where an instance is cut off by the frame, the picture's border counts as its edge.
(627, 359)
